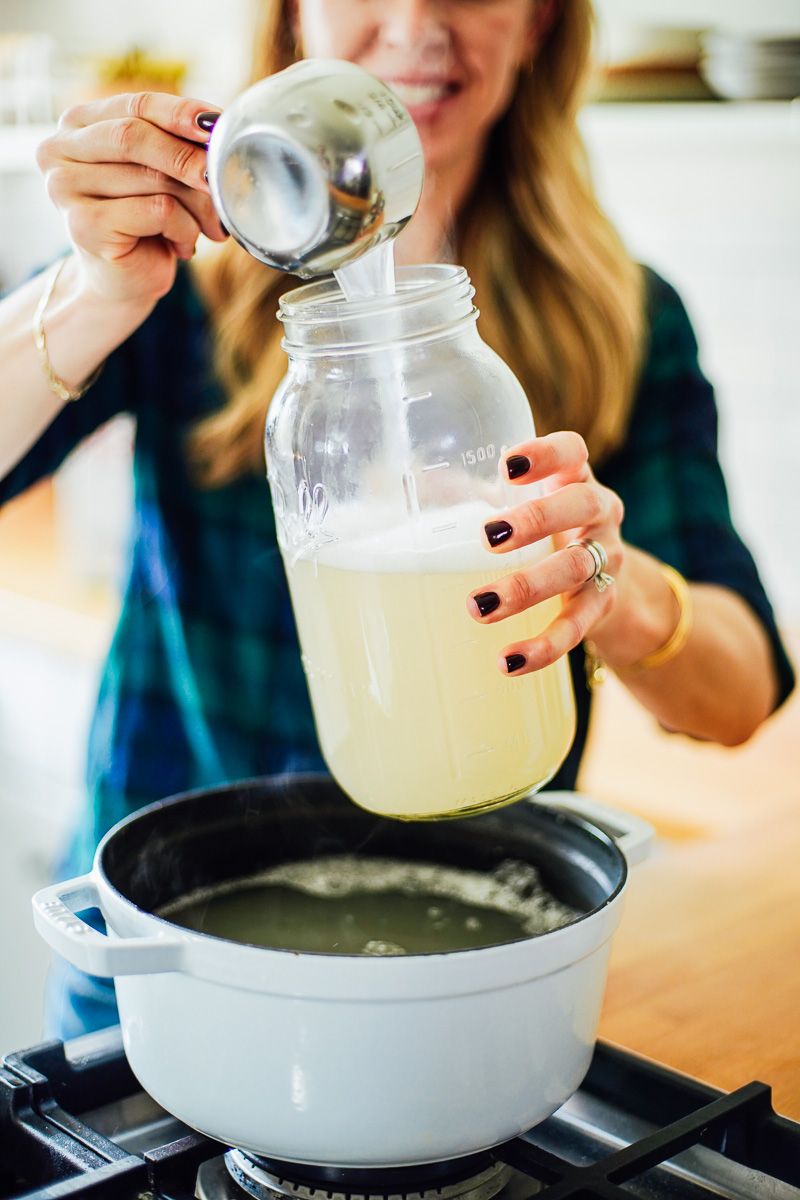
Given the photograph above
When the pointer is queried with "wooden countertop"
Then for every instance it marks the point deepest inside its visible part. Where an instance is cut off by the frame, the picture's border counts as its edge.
(43, 598)
(705, 968)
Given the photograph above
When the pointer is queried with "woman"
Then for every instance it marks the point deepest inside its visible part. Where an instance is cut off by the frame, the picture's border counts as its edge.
(204, 681)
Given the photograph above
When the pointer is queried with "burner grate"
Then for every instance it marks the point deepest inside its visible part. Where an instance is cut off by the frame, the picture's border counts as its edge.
(740, 1117)
(78, 1127)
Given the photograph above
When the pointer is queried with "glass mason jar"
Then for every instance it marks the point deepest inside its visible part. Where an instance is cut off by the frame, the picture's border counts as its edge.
(383, 446)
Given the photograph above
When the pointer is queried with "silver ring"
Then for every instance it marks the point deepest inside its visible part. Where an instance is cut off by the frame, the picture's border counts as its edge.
(601, 578)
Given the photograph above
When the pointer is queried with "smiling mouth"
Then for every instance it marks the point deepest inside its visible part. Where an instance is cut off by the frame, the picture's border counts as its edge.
(421, 95)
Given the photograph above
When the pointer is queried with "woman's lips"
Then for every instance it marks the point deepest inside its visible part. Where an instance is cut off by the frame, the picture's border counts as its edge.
(422, 99)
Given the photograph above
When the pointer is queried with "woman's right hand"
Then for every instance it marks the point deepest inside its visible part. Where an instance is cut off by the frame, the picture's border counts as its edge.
(128, 175)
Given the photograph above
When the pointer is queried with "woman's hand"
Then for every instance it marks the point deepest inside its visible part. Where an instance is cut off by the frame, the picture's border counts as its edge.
(574, 507)
(721, 685)
(128, 174)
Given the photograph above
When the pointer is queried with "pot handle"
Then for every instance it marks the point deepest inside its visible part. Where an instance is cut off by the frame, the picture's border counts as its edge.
(54, 915)
(633, 835)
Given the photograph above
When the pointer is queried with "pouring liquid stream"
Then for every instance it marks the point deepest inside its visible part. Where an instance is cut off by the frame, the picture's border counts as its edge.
(369, 276)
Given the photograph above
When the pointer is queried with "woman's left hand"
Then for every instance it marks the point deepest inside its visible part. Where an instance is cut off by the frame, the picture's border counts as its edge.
(574, 507)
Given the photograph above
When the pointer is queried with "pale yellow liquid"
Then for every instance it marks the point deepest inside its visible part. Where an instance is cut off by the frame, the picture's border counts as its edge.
(414, 718)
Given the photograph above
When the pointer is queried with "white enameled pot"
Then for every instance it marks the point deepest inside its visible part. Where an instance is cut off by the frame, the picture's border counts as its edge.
(348, 1061)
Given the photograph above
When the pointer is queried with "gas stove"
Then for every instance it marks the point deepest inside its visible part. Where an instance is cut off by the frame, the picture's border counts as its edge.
(74, 1123)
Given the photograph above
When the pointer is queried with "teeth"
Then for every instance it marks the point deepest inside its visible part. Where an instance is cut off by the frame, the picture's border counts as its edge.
(416, 95)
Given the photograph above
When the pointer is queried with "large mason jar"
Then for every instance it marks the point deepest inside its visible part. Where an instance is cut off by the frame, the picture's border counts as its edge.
(383, 446)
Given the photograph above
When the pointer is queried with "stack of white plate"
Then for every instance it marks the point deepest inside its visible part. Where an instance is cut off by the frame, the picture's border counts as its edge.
(740, 66)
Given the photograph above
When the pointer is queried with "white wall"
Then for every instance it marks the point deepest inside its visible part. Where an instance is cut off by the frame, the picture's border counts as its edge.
(708, 195)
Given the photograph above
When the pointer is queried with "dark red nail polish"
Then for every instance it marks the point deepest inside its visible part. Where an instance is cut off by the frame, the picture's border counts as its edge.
(487, 602)
(514, 662)
(498, 532)
(517, 465)
(207, 120)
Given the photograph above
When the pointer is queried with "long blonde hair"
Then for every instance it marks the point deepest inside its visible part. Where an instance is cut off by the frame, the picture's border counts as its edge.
(560, 299)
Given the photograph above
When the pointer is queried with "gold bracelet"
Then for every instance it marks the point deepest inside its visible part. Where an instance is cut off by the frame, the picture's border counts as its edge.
(677, 640)
(595, 667)
(56, 385)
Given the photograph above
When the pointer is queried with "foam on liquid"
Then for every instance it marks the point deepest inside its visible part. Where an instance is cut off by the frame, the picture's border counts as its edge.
(345, 904)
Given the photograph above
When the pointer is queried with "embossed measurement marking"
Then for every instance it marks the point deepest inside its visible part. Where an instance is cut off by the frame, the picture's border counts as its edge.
(419, 396)
(410, 491)
(440, 466)
(444, 528)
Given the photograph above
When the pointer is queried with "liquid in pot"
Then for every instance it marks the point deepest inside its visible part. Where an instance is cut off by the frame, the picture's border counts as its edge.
(376, 907)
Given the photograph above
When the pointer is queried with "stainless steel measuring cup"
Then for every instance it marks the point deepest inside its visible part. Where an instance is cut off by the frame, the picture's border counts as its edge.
(315, 165)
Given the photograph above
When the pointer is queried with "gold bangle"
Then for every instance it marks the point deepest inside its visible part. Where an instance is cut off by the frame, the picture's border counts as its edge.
(56, 385)
(594, 666)
(677, 640)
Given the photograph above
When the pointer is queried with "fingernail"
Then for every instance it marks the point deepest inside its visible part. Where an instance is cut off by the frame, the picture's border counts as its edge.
(514, 662)
(498, 532)
(207, 120)
(205, 176)
(517, 464)
(486, 602)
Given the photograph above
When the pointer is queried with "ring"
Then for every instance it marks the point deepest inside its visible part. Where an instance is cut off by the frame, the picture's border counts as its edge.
(601, 578)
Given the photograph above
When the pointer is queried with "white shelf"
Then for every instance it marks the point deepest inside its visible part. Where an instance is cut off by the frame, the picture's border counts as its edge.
(768, 16)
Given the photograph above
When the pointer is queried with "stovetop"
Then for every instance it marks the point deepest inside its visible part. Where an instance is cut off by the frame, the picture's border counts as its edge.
(74, 1123)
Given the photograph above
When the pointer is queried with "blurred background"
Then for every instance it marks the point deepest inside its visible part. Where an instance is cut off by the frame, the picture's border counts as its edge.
(694, 135)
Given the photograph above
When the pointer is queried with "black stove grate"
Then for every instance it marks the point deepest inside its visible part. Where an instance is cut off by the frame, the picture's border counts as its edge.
(49, 1153)
(738, 1116)
(49, 1149)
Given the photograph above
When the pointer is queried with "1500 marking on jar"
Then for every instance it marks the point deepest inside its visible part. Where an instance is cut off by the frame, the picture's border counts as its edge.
(470, 457)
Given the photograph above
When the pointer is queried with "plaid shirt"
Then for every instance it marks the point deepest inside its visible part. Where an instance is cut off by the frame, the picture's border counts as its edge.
(204, 682)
